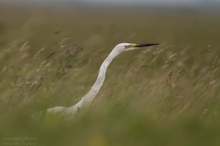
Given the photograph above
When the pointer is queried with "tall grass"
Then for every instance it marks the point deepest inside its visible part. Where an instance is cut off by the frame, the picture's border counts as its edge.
(166, 95)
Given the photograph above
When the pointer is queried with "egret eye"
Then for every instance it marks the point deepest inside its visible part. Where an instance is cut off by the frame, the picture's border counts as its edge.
(128, 46)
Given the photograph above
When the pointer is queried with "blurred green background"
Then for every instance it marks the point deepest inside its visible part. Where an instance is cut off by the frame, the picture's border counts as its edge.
(164, 95)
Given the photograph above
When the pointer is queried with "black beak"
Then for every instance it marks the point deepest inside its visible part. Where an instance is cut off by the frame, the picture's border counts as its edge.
(146, 44)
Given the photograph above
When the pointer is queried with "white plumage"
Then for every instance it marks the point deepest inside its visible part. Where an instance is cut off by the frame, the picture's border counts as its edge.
(69, 112)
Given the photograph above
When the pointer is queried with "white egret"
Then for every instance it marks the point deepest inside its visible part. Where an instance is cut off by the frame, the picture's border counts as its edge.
(68, 112)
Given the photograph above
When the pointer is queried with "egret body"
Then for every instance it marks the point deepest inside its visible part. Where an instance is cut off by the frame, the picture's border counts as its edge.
(68, 112)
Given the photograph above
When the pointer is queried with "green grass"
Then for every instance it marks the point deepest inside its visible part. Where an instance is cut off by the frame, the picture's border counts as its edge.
(167, 95)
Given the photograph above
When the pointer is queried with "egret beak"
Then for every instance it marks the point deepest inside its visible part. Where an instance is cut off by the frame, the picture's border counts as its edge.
(145, 45)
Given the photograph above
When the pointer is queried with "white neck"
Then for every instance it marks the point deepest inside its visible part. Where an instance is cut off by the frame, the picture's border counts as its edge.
(88, 98)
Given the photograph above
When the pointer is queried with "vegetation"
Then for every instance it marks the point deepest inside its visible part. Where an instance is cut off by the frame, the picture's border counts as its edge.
(166, 95)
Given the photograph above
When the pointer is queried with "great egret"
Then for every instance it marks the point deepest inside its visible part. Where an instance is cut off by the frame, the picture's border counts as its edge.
(68, 112)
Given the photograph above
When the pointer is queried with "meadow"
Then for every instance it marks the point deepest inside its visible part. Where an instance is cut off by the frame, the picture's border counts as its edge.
(166, 95)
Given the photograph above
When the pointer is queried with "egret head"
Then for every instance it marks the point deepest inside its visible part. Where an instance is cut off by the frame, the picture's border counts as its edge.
(131, 46)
